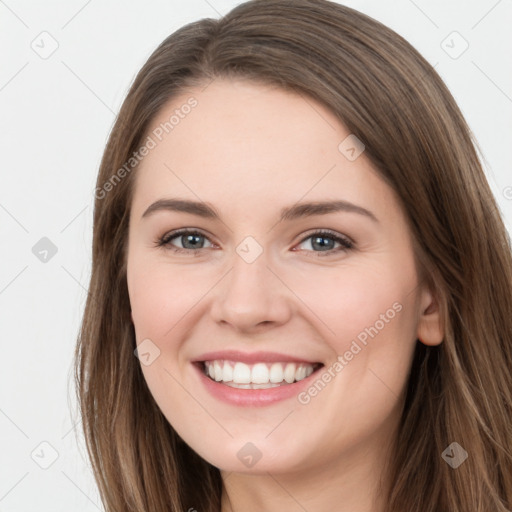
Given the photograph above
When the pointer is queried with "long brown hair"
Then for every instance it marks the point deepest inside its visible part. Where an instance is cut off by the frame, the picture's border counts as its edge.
(415, 135)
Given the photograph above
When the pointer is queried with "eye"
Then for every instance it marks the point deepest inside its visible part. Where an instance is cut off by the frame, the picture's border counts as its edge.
(190, 240)
(325, 241)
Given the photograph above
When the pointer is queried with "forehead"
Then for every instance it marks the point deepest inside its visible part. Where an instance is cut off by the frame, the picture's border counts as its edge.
(240, 142)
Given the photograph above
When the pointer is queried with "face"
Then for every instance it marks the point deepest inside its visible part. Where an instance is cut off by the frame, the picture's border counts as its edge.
(306, 317)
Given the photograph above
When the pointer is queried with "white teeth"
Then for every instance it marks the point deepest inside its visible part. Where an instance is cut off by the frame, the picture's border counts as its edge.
(257, 376)
(218, 371)
(300, 373)
(276, 373)
(227, 372)
(289, 373)
(241, 373)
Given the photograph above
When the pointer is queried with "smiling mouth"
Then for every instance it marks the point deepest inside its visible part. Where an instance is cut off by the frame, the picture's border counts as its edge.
(240, 375)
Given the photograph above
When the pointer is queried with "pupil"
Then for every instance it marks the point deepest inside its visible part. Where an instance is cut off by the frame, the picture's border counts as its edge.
(323, 246)
(190, 238)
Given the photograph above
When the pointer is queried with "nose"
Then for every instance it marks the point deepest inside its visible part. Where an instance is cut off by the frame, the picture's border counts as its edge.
(251, 297)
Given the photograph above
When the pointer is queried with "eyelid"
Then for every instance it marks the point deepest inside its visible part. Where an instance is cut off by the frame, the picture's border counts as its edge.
(326, 231)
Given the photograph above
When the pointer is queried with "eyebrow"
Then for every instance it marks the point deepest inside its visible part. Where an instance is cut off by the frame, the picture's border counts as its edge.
(299, 210)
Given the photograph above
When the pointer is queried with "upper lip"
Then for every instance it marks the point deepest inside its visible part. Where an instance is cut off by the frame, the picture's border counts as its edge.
(252, 357)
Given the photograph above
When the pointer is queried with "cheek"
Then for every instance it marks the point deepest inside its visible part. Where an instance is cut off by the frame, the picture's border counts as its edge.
(370, 319)
(374, 320)
(350, 301)
(161, 295)
(161, 299)
(367, 317)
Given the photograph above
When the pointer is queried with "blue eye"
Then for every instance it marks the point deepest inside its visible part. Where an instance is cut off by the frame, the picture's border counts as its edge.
(192, 241)
(325, 241)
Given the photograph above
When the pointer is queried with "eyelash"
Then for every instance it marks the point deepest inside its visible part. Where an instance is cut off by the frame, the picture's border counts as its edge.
(164, 241)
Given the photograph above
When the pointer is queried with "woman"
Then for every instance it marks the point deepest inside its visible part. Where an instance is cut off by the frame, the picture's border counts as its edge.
(301, 285)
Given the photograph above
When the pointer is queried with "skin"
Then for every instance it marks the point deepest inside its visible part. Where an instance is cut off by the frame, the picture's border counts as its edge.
(251, 150)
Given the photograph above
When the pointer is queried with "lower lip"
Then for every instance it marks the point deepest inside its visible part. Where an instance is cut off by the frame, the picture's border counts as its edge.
(253, 397)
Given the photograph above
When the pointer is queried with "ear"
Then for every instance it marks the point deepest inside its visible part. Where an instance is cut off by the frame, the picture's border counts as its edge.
(430, 330)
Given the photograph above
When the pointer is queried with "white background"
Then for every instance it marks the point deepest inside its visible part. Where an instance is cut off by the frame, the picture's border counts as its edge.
(56, 114)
